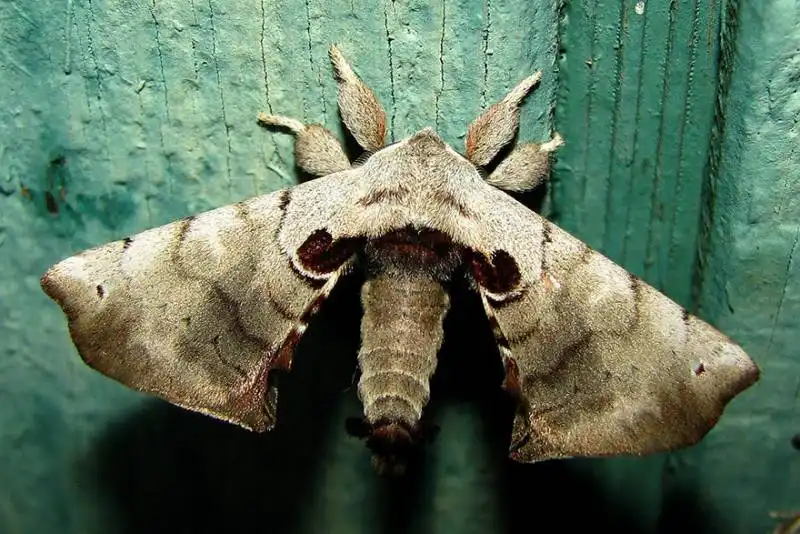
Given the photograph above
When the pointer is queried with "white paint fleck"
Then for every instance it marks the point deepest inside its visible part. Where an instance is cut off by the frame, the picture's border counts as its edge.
(639, 8)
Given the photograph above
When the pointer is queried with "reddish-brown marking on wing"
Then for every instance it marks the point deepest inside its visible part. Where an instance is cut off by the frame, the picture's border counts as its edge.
(511, 382)
(283, 358)
(498, 274)
(320, 253)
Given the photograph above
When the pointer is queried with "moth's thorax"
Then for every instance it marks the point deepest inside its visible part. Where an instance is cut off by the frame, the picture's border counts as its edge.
(414, 251)
(419, 182)
(421, 161)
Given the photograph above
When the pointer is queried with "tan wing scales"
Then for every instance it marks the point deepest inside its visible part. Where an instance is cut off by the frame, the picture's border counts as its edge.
(198, 311)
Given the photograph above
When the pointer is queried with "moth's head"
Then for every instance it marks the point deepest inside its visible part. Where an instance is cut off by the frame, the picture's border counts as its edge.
(423, 149)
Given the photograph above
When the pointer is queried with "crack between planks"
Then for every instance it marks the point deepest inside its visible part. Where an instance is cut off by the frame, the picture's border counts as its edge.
(438, 94)
(789, 262)
(100, 90)
(660, 143)
(590, 91)
(672, 245)
(166, 100)
(389, 40)
(487, 6)
(221, 98)
(797, 391)
(264, 55)
(68, 39)
(314, 69)
(146, 159)
(729, 26)
(160, 57)
(637, 115)
(620, 52)
(196, 69)
(558, 54)
(267, 161)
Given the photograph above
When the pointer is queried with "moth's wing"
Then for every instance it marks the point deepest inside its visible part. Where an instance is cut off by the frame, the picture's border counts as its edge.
(201, 310)
(602, 363)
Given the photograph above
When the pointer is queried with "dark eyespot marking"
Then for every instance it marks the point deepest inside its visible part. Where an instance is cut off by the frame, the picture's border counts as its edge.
(126, 243)
(499, 274)
(100, 291)
(319, 253)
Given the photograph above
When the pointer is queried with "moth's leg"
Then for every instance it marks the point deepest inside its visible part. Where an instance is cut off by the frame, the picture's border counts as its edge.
(316, 150)
(526, 167)
(496, 127)
(358, 106)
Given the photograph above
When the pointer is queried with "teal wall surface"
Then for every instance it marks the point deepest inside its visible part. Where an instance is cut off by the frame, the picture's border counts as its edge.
(117, 115)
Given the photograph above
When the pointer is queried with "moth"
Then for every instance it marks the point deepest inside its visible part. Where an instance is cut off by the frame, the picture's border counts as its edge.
(201, 311)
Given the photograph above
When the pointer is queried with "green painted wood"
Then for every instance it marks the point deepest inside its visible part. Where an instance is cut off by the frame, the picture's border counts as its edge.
(119, 116)
(750, 277)
(636, 103)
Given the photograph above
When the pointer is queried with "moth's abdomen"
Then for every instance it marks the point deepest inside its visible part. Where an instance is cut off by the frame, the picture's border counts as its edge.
(401, 332)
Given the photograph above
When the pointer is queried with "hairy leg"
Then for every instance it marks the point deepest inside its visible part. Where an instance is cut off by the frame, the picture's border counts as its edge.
(316, 150)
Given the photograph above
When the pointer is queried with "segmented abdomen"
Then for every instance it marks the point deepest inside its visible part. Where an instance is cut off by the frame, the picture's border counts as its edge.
(401, 332)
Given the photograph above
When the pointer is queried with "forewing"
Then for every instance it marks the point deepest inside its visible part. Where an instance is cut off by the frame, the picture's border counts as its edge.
(201, 310)
(601, 362)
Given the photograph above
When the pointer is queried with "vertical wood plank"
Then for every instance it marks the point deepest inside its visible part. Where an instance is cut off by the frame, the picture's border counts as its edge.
(748, 276)
(635, 105)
